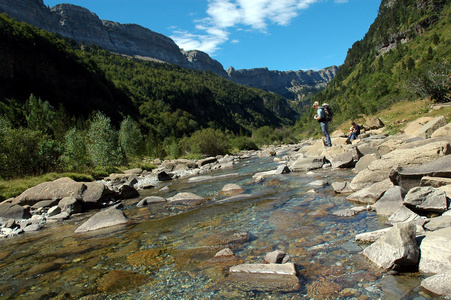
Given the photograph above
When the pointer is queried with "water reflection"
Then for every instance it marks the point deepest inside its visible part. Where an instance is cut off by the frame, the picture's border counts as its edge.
(167, 251)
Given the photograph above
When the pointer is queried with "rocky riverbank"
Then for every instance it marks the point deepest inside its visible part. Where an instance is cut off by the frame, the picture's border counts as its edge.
(404, 178)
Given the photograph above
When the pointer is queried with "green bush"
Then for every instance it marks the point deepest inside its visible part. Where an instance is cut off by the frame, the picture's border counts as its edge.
(209, 142)
(244, 143)
(75, 156)
(130, 138)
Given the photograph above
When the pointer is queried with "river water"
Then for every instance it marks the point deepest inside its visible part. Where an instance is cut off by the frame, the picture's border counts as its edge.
(166, 252)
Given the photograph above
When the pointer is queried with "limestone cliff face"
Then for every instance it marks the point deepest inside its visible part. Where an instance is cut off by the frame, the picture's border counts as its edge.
(285, 83)
(80, 24)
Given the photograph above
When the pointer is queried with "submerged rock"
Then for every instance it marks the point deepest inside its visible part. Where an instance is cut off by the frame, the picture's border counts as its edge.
(279, 269)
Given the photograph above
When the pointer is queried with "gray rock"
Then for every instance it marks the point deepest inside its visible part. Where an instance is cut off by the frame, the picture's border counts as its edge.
(442, 131)
(128, 192)
(13, 211)
(32, 227)
(187, 198)
(283, 170)
(379, 170)
(370, 194)
(438, 284)
(44, 204)
(409, 177)
(391, 201)
(435, 181)
(95, 194)
(430, 127)
(206, 161)
(374, 123)
(342, 187)
(163, 176)
(225, 252)
(347, 159)
(232, 189)
(277, 257)
(396, 250)
(70, 205)
(426, 199)
(307, 163)
(54, 190)
(350, 212)
(150, 200)
(405, 215)
(436, 251)
(365, 161)
(64, 215)
(371, 237)
(54, 210)
(105, 218)
(318, 183)
(438, 223)
(279, 269)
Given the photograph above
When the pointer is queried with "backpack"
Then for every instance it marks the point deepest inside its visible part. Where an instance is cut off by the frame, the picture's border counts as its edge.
(328, 114)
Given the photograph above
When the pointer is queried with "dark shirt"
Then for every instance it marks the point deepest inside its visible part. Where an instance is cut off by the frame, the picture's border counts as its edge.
(357, 129)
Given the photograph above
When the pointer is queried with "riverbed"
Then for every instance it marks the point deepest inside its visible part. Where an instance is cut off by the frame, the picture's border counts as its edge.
(167, 251)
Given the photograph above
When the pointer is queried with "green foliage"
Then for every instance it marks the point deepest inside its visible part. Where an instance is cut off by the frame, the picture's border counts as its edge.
(208, 142)
(244, 143)
(75, 156)
(130, 138)
(103, 143)
(26, 152)
(433, 81)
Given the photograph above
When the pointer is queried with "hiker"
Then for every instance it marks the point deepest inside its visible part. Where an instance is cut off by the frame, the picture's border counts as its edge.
(321, 118)
(354, 131)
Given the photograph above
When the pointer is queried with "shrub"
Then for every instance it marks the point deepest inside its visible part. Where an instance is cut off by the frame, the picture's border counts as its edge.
(75, 155)
(209, 142)
(130, 138)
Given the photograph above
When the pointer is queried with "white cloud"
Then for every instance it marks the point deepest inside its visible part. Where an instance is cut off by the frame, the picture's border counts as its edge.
(226, 14)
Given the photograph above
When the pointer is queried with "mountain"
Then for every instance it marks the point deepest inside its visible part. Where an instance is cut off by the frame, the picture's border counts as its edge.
(80, 24)
(406, 54)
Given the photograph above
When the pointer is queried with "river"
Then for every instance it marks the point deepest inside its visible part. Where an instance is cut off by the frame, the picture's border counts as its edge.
(166, 252)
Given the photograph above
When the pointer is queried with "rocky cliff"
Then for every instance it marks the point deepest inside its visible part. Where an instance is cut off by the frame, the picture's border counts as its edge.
(287, 84)
(80, 24)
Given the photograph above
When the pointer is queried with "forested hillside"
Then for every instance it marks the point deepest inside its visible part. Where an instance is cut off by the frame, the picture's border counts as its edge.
(61, 101)
(406, 54)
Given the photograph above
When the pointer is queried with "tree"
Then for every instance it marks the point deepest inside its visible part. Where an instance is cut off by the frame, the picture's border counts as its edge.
(130, 138)
(39, 115)
(103, 143)
(75, 154)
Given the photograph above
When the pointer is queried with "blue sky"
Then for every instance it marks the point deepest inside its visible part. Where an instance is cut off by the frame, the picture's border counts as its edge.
(278, 34)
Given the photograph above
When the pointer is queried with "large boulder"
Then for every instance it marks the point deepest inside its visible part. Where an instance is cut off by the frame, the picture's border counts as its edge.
(438, 284)
(13, 211)
(391, 201)
(372, 193)
(380, 169)
(426, 199)
(95, 194)
(307, 163)
(442, 131)
(365, 161)
(53, 190)
(409, 177)
(438, 223)
(430, 127)
(106, 218)
(374, 123)
(70, 205)
(405, 215)
(396, 250)
(413, 127)
(347, 159)
(436, 251)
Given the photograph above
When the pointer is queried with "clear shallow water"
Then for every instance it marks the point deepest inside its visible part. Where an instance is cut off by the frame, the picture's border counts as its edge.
(166, 252)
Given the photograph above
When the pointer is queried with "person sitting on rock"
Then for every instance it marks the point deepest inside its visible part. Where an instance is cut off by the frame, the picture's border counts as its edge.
(354, 131)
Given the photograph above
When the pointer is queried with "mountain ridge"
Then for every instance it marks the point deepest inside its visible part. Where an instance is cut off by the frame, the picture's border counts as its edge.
(82, 25)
